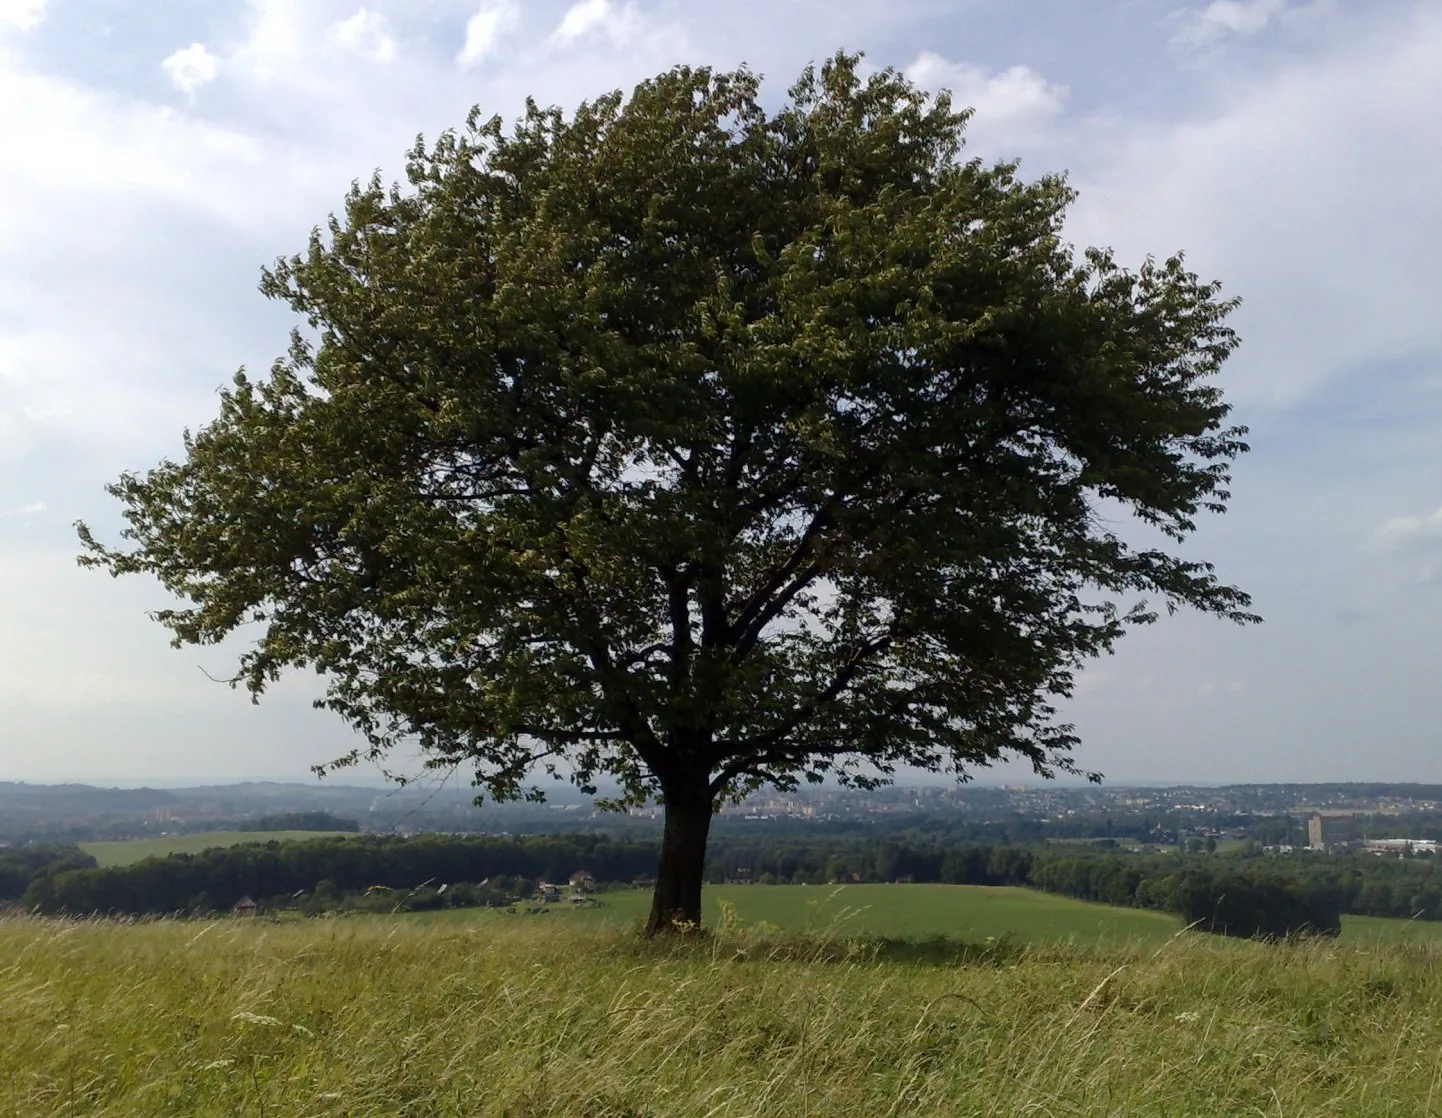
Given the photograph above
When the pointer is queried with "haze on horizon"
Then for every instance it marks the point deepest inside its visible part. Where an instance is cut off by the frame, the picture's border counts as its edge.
(155, 157)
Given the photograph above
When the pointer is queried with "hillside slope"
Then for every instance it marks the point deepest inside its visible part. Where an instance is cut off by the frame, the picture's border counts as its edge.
(376, 1016)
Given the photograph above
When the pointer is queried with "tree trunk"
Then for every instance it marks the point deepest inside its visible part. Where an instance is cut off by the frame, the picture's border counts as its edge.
(676, 904)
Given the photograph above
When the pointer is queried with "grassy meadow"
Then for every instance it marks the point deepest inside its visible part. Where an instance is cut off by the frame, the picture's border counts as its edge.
(123, 853)
(376, 1016)
(973, 913)
(969, 913)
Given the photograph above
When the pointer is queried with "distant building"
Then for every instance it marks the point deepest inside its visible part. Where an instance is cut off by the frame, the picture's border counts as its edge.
(1400, 847)
(245, 907)
(1331, 828)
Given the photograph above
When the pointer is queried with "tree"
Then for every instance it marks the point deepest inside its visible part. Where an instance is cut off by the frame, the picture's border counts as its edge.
(703, 447)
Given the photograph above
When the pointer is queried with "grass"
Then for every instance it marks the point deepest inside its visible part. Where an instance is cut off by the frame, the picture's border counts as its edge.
(523, 1018)
(1379, 929)
(968, 912)
(125, 852)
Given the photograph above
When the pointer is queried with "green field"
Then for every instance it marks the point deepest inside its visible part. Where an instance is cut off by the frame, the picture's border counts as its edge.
(134, 850)
(1382, 930)
(971, 913)
(974, 913)
(569, 1018)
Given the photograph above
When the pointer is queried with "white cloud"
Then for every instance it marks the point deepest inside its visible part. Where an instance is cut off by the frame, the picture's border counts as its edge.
(368, 34)
(1410, 534)
(22, 14)
(619, 24)
(191, 67)
(1010, 104)
(1229, 17)
(1310, 191)
(485, 29)
(274, 46)
(33, 508)
(113, 151)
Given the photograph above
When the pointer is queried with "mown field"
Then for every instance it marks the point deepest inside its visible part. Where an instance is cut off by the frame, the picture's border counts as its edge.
(134, 850)
(382, 1017)
(972, 913)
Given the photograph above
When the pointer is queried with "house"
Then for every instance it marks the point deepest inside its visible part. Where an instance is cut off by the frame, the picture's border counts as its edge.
(548, 892)
(582, 882)
(245, 907)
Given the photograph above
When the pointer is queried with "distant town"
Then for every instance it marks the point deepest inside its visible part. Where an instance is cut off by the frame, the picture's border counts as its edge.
(1402, 819)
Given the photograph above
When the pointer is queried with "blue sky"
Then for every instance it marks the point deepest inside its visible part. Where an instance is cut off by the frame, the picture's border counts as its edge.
(153, 157)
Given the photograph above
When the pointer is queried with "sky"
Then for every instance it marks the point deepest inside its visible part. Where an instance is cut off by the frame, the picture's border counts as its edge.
(154, 157)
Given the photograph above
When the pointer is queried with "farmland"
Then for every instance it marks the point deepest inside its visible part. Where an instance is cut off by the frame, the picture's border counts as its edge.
(970, 913)
(126, 852)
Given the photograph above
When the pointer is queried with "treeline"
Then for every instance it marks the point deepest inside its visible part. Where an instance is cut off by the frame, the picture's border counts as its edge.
(218, 878)
(299, 821)
(1234, 896)
(1244, 894)
(20, 865)
(1228, 896)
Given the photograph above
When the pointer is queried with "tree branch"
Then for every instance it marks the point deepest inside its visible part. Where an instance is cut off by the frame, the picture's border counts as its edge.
(756, 749)
(567, 736)
(762, 607)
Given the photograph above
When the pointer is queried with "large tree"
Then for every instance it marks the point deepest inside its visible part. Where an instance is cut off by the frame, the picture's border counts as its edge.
(703, 448)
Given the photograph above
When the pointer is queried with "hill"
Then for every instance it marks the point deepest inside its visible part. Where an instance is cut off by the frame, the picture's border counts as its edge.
(968, 913)
(972, 913)
(378, 1016)
(128, 851)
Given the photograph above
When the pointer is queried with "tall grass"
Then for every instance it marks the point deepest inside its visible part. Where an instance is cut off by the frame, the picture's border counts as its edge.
(375, 1016)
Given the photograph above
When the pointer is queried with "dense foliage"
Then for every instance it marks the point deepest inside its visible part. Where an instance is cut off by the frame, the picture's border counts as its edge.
(19, 865)
(704, 446)
(218, 878)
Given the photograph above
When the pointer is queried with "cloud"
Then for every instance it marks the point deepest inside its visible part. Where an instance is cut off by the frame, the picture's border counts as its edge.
(22, 14)
(1410, 534)
(367, 33)
(1229, 17)
(115, 152)
(1008, 104)
(619, 24)
(1309, 189)
(191, 67)
(33, 508)
(274, 47)
(485, 29)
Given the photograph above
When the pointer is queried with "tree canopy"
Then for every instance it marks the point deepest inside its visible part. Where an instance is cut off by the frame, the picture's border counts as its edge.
(702, 447)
